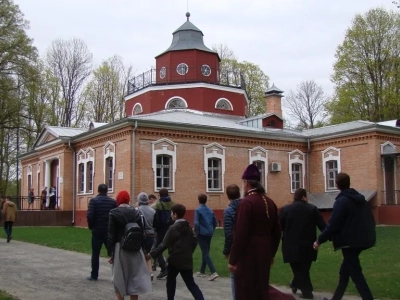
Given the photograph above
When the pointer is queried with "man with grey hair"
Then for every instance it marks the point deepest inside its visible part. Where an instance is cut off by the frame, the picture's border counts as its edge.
(148, 213)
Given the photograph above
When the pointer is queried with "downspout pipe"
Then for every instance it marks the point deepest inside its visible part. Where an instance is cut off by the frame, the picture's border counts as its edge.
(308, 166)
(73, 181)
(133, 155)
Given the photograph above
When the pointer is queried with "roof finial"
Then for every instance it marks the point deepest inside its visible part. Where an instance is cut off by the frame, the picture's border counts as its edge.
(188, 15)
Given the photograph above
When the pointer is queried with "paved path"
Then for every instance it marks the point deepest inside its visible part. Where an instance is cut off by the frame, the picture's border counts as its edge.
(33, 272)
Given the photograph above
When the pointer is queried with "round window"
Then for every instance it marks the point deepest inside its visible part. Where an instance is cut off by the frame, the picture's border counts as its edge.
(205, 70)
(182, 69)
(163, 72)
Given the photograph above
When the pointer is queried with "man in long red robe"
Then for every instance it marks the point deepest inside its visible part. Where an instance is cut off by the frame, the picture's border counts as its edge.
(255, 240)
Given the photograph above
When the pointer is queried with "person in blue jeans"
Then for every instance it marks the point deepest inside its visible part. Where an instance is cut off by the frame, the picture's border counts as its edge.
(205, 223)
(233, 193)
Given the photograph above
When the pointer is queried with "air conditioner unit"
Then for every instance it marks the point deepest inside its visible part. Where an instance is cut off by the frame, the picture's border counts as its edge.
(275, 167)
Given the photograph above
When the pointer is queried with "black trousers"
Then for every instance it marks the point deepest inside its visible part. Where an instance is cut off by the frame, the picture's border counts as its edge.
(97, 242)
(351, 268)
(160, 258)
(187, 276)
(301, 276)
(8, 225)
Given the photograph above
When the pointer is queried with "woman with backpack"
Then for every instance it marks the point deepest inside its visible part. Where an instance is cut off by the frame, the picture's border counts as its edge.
(130, 275)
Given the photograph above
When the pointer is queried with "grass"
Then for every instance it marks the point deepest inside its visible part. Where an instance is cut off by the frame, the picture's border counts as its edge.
(6, 296)
(381, 264)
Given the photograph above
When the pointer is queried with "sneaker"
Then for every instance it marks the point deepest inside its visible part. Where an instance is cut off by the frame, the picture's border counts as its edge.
(213, 276)
(201, 274)
(152, 277)
(154, 268)
(162, 274)
(90, 278)
(9, 239)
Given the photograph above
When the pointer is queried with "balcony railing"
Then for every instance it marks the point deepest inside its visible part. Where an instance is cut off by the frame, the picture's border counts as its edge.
(391, 197)
(169, 76)
(22, 203)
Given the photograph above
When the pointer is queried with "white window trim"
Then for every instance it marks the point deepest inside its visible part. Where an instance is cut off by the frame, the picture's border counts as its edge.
(29, 172)
(88, 159)
(215, 154)
(133, 109)
(252, 158)
(109, 153)
(387, 144)
(383, 168)
(330, 151)
(38, 177)
(79, 161)
(297, 160)
(224, 99)
(163, 151)
(175, 97)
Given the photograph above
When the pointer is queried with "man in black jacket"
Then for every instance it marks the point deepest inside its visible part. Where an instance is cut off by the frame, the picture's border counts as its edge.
(299, 221)
(180, 240)
(97, 218)
(352, 229)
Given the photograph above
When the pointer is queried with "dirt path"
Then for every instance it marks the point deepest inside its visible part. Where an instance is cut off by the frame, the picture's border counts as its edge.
(33, 272)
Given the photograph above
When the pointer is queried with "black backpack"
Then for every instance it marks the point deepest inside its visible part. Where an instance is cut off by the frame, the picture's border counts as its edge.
(134, 235)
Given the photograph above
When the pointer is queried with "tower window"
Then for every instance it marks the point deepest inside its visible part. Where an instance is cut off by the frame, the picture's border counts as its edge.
(182, 69)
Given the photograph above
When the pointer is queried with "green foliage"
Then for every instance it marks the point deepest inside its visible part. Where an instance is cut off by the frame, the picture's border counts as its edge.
(380, 265)
(245, 74)
(367, 69)
(6, 296)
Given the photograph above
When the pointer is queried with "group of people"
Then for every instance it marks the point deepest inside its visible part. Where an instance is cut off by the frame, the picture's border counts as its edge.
(253, 228)
(48, 200)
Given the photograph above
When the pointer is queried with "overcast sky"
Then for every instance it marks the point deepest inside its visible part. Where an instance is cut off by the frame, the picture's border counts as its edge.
(291, 40)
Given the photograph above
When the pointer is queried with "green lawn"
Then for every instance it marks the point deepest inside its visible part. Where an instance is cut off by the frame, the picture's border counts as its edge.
(6, 296)
(381, 264)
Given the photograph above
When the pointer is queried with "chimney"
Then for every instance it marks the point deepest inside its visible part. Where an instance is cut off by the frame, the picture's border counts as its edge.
(273, 99)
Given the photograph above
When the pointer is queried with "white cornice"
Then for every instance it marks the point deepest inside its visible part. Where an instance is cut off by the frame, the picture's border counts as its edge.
(188, 86)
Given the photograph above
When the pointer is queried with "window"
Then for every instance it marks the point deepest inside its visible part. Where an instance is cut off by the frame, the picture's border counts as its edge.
(331, 167)
(331, 171)
(214, 174)
(81, 171)
(163, 176)
(296, 177)
(164, 164)
(137, 109)
(163, 72)
(214, 167)
(109, 172)
(176, 102)
(182, 69)
(29, 175)
(223, 104)
(261, 167)
(259, 157)
(109, 165)
(296, 170)
(89, 177)
(85, 162)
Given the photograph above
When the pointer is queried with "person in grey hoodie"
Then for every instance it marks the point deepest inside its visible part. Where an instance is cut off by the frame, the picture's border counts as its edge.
(148, 213)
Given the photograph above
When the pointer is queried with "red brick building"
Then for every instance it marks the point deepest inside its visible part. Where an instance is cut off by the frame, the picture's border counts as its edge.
(186, 129)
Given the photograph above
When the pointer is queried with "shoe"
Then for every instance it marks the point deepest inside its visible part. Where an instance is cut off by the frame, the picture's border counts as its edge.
(152, 277)
(213, 276)
(90, 278)
(307, 296)
(162, 274)
(201, 274)
(154, 268)
(9, 239)
(294, 289)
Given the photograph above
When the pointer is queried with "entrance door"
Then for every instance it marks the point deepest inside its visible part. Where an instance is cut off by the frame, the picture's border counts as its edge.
(390, 186)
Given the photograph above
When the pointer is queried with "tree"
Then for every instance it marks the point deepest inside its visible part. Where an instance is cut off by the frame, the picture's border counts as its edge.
(397, 3)
(104, 94)
(70, 62)
(17, 64)
(367, 69)
(306, 104)
(246, 75)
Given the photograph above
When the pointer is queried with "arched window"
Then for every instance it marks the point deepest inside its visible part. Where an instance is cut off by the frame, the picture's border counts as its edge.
(137, 109)
(176, 102)
(223, 104)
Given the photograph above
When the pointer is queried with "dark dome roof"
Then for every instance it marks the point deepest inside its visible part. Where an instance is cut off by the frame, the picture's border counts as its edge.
(187, 37)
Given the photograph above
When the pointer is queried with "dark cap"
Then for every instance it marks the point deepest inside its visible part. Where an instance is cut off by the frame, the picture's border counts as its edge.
(102, 189)
(251, 173)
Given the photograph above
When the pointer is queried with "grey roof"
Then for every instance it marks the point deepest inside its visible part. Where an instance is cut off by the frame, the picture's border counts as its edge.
(326, 200)
(339, 128)
(187, 37)
(196, 118)
(273, 89)
(65, 131)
